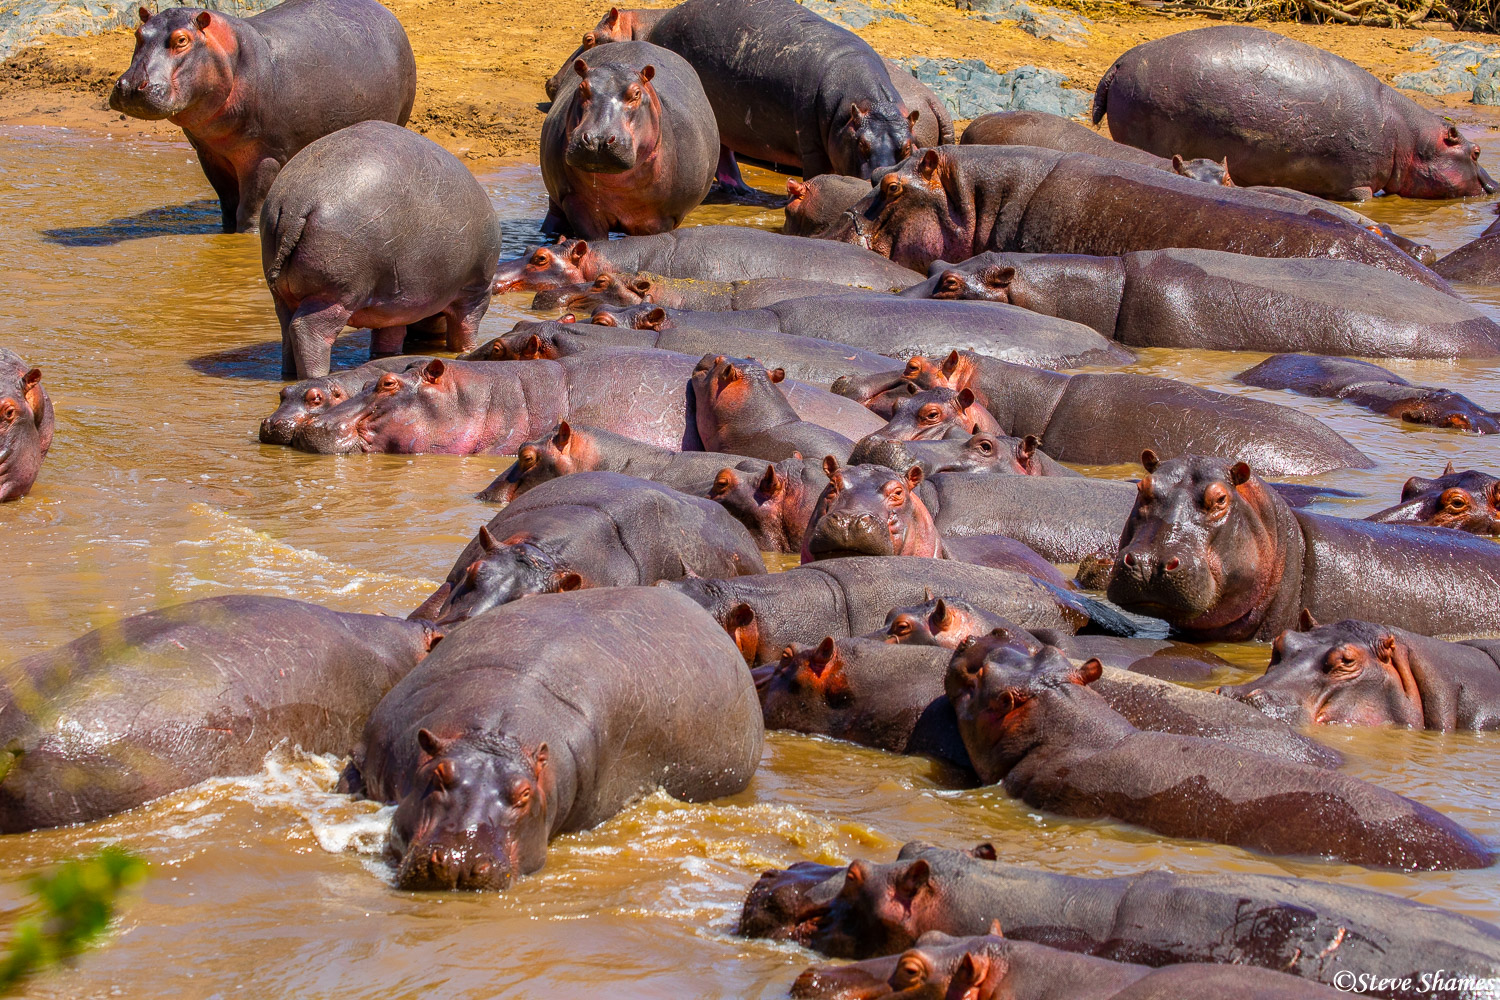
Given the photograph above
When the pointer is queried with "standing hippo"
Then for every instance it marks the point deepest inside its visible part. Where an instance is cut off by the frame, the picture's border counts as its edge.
(1221, 556)
(818, 202)
(251, 94)
(1357, 673)
(303, 400)
(348, 238)
(174, 696)
(551, 715)
(26, 424)
(740, 409)
(629, 144)
(1030, 722)
(1366, 384)
(1037, 128)
(1284, 113)
(953, 202)
(1175, 298)
(1465, 501)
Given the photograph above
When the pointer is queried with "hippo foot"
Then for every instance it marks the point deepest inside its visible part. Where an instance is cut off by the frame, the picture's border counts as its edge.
(721, 193)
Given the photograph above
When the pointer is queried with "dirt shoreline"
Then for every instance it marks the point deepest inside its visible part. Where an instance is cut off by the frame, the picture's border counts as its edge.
(481, 64)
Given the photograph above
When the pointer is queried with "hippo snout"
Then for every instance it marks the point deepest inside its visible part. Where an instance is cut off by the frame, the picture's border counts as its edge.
(843, 533)
(603, 152)
(137, 97)
(452, 866)
(1270, 702)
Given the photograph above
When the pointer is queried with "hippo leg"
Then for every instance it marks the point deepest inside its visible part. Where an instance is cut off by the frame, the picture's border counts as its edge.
(729, 188)
(555, 223)
(288, 356)
(387, 341)
(226, 185)
(254, 185)
(463, 318)
(1356, 194)
(313, 329)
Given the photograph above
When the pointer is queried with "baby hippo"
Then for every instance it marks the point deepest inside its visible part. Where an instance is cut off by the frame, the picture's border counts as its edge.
(375, 226)
(25, 425)
(630, 143)
(1465, 501)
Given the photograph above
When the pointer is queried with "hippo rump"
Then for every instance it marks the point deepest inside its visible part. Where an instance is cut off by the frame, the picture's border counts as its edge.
(189, 692)
(1313, 929)
(551, 715)
(348, 239)
(704, 253)
(953, 202)
(1037, 128)
(1219, 555)
(1030, 723)
(1366, 384)
(26, 425)
(1465, 501)
(1175, 298)
(492, 407)
(633, 288)
(301, 401)
(597, 529)
(250, 94)
(1357, 673)
(1476, 262)
(629, 144)
(1302, 118)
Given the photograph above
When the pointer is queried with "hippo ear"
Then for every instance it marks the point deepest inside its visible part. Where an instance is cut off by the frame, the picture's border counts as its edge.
(647, 73)
(911, 119)
(916, 878)
(914, 477)
(1385, 648)
(771, 482)
(532, 349)
(931, 160)
(203, 20)
(825, 650)
(563, 436)
(486, 540)
(831, 468)
(926, 593)
(795, 188)
(30, 380)
(857, 114)
(432, 374)
(941, 616)
(1239, 473)
(985, 852)
(776, 374)
(857, 874)
(580, 249)
(965, 398)
(950, 364)
(999, 277)
(1452, 137)
(581, 68)
(431, 745)
(996, 930)
(566, 581)
(743, 629)
(1179, 165)
(972, 969)
(1088, 672)
(1448, 469)
(539, 759)
(1026, 450)
(1306, 622)
(1149, 461)
(145, 15)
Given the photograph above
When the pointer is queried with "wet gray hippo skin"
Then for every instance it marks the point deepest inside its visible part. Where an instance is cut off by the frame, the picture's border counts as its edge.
(1476, 262)
(1025, 508)
(1030, 722)
(26, 425)
(1357, 673)
(594, 529)
(301, 400)
(629, 145)
(1155, 918)
(492, 407)
(1366, 384)
(1037, 128)
(818, 202)
(634, 287)
(375, 226)
(547, 716)
(953, 202)
(705, 253)
(251, 93)
(185, 693)
(1175, 298)
(570, 448)
(1216, 553)
(1465, 501)
(1302, 118)
(740, 409)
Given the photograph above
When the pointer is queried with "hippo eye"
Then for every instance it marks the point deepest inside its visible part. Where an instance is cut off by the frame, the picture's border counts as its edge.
(721, 486)
(8, 411)
(178, 41)
(1455, 501)
(1343, 660)
(864, 147)
(527, 458)
(633, 94)
(539, 259)
(443, 775)
(901, 628)
(910, 971)
(985, 448)
(931, 414)
(894, 496)
(388, 383)
(1215, 499)
(891, 187)
(519, 795)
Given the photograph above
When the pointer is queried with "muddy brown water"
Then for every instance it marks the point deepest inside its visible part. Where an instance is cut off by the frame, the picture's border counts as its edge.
(159, 346)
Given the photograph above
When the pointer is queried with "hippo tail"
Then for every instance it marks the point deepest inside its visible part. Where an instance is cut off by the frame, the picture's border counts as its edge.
(1103, 618)
(288, 235)
(1101, 93)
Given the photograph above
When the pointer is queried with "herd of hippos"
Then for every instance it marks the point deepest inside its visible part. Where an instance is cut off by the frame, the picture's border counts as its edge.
(844, 393)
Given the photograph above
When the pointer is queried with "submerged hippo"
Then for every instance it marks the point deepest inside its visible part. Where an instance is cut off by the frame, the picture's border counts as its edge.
(1030, 722)
(26, 425)
(634, 287)
(1476, 262)
(740, 409)
(551, 715)
(1298, 117)
(348, 239)
(301, 401)
(629, 143)
(1465, 501)
(251, 93)
(1366, 384)
(1037, 128)
(1175, 298)
(934, 414)
(775, 502)
(818, 202)
(1219, 555)
(980, 452)
(189, 692)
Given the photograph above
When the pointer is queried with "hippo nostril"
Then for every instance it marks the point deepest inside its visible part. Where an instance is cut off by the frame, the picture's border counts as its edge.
(1130, 559)
(1172, 564)
(610, 141)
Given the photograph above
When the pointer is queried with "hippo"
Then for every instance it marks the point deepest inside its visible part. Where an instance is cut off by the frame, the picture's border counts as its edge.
(1303, 118)
(26, 425)
(597, 529)
(629, 145)
(1037, 128)
(568, 448)
(953, 202)
(188, 692)
(844, 597)
(633, 288)
(1476, 262)
(616, 26)
(487, 407)
(250, 94)
(941, 621)
(1356, 673)
(1030, 722)
(1219, 555)
(935, 414)
(1174, 298)
(979, 453)
(340, 244)
(1465, 501)
(818, 202)
(547, 716)
(300, 401)
(775, 503)
(1366, 384)
(1108, 417)
(1313, 929)
(1026, 508)
(740, 409)
(703, 253)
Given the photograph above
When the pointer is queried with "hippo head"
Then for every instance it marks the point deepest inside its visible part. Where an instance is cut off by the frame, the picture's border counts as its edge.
(988, 283)
(994, 684)
(183, 66)
(1201, 547)
(616, 26)
(1445, 408)
(1205, 170)
(937, 966)
(567, 262)
(805, 688)
(933, 414)
(907, 217)
(874, 135)
(398, 412)
(617, 290)
(615, 119)
(981, 452)
(772, 505)
(299, 402)
(25, 430)
(1467, 501)
(1442, 164)
(527, 341)
(1348, 673)
(641, 316)
(870, 510)
(943, 621)
(880, 910)
(724, 388)
(503, 572)
(561, 451)
(476, 815)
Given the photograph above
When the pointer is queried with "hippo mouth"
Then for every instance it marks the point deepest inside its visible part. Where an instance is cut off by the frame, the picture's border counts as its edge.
(428, 867)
